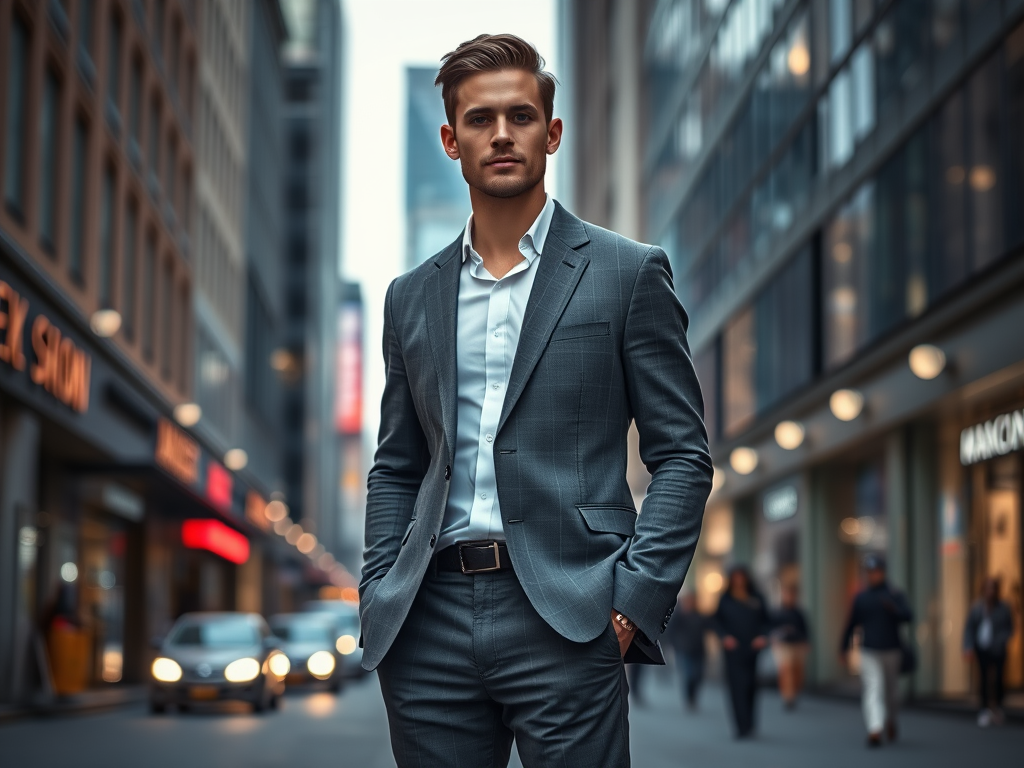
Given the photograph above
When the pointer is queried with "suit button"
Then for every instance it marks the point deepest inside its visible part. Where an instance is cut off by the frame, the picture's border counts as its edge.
(448, 472)
(433, 540)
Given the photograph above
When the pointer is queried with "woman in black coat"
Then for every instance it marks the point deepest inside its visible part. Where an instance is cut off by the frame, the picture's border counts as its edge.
(742, 623)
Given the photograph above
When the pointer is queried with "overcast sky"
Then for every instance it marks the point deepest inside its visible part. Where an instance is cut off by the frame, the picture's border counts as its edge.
(383, 37)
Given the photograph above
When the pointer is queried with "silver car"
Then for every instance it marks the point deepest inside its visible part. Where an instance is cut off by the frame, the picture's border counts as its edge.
(309, 640)
(215, 657)
(346, 618)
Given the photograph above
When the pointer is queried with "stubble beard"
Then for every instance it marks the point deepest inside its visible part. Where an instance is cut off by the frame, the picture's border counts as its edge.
(505, 187)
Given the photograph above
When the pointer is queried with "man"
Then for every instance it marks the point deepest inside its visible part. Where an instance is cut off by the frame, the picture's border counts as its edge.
(789, 645)
(506, 570)
(878, 611)
(685, 634)
(987, 632)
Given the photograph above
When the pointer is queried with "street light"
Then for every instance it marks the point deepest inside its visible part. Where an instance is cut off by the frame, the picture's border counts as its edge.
(188, 414)
(789, 435)
(236, 459)
(927, 361)
(105, 322)
(846, 404)
(743, 460)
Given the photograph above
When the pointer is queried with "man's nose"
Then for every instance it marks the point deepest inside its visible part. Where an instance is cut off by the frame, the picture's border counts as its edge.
(502, 137)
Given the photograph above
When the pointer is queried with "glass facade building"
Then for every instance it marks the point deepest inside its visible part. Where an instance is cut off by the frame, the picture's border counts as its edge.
(839, 185)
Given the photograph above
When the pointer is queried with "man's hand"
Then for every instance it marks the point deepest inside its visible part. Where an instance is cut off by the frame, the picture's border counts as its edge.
(759, 642)
(730, 643)
(624, 636)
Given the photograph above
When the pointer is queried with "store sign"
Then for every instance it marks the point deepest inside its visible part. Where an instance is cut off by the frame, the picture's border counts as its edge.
(780, 504)
(214, 536)
(255, 510)
(997, 437)
(176, 452)
(60, 367)
(219, 486)
(348, 406)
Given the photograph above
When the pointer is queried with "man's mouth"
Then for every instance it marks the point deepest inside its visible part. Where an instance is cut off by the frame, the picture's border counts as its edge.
(503, 162)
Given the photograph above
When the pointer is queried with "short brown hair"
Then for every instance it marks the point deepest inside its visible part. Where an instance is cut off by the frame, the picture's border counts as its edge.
(491, 53)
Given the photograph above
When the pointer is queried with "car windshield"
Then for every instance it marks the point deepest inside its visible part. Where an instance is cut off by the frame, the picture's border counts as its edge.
(303, 632)
(216, 634)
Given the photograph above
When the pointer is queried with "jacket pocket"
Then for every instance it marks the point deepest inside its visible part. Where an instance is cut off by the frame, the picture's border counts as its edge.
(408, 531)
(580, 331)
(609, 518)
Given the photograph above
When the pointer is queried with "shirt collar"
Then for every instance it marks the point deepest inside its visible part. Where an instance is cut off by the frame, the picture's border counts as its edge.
(531, 244)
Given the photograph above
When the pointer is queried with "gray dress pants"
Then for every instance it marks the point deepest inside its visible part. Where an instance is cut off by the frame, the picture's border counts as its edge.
(474, 667)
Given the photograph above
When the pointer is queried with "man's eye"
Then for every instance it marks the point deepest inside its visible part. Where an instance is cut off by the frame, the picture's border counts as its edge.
(479, 120)
(522, 117)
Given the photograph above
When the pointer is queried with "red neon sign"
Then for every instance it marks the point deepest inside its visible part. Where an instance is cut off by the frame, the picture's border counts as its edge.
(214, 536)
(219, 486)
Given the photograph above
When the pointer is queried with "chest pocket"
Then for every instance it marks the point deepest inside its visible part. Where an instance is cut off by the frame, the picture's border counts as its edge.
(581, 331)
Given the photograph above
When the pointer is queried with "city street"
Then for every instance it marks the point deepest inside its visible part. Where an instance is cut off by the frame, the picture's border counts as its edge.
(317, 729)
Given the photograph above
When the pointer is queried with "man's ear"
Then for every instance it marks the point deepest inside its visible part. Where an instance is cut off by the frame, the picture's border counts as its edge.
(554, 135)
(451, 146)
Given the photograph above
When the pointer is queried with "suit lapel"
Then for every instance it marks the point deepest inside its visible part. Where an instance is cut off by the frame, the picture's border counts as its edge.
(441, 291)
(558, 274)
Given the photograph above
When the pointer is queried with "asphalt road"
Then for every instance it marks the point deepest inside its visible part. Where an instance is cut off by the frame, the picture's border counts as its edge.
(315, 728)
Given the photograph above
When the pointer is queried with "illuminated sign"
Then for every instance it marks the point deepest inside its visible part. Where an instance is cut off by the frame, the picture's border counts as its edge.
(349, 394)
(780, 504)
(996, 437)
(255, 506)
(176, 452)
(219, 486)
(60, 367)
(214, 536)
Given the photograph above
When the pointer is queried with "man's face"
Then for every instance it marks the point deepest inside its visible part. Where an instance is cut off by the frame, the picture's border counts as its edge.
(876, 576)
(500, 134)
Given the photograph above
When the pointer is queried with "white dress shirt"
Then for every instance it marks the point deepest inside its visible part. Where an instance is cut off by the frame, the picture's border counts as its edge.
(490, 317)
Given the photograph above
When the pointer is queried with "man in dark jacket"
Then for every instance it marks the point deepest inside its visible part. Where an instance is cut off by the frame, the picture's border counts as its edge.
(685, 633)
(878, 611)
(987, 632)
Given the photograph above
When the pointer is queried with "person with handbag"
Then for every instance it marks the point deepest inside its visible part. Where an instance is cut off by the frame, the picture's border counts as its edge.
(878, 611)
(987, 632)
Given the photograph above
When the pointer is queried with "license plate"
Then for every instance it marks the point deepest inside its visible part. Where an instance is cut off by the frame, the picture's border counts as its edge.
(202, 692)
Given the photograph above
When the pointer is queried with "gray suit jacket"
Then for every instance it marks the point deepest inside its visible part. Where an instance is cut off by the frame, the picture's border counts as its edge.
(603, 342)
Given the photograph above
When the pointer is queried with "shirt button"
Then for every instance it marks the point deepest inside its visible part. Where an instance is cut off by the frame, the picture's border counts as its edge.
(489, 438)
(483, 495)
(495, 385)
(497, 332)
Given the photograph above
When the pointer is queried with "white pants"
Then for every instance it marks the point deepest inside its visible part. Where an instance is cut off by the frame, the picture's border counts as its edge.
(879, 673)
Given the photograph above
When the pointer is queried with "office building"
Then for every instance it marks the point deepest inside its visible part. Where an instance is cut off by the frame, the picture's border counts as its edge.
(838, 185)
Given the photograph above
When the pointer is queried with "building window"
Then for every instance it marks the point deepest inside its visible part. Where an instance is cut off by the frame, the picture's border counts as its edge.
(114, 62)
(128, 271)
(848, 241)
(85, 13)
(739, 357)
(154, 137)
(106, 276)
(149, 298)
(49, 135)
(1015, 109)
(184, 335)
(984, 180)
(80, 145)
(17, 80)
(159, 12)
(135, 102)
(167, 319)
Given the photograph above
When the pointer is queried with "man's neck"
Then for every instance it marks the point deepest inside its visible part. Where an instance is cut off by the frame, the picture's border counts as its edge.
(500, 223)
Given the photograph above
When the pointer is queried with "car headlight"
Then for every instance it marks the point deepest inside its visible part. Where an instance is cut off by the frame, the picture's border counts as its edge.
(320, 664)
(346, 644)
(242, 671)
(280, 665)
(166, 670)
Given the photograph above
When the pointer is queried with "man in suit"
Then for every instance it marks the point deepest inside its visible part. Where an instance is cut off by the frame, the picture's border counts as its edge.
(507, 572)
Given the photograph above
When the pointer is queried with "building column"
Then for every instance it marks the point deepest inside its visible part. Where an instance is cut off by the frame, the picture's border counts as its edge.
(19, 466)
(822, 576)
(923, 546)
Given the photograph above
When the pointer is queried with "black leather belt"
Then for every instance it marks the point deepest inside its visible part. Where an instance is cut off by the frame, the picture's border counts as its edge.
(471, 557)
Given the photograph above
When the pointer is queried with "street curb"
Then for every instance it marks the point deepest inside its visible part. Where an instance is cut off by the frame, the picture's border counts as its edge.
(92, 701)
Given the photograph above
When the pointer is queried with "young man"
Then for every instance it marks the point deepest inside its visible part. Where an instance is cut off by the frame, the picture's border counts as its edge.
(878, 611)
(506, 570)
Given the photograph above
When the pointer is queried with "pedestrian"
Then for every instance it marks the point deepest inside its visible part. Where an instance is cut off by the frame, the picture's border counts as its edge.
(878, 611)
(742, 623)
(987, 632)
(507, 576)
(685, 633)
(789, 645)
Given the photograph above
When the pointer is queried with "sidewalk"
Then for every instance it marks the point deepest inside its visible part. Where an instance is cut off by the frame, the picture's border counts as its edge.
(88, 701)
(822, 731)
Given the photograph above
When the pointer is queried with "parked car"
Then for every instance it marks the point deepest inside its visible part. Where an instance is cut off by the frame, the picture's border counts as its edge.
(347, 624)
(308, 639)
(215, 657)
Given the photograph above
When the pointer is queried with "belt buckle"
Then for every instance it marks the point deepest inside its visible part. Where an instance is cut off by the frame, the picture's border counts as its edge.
(480, 545)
